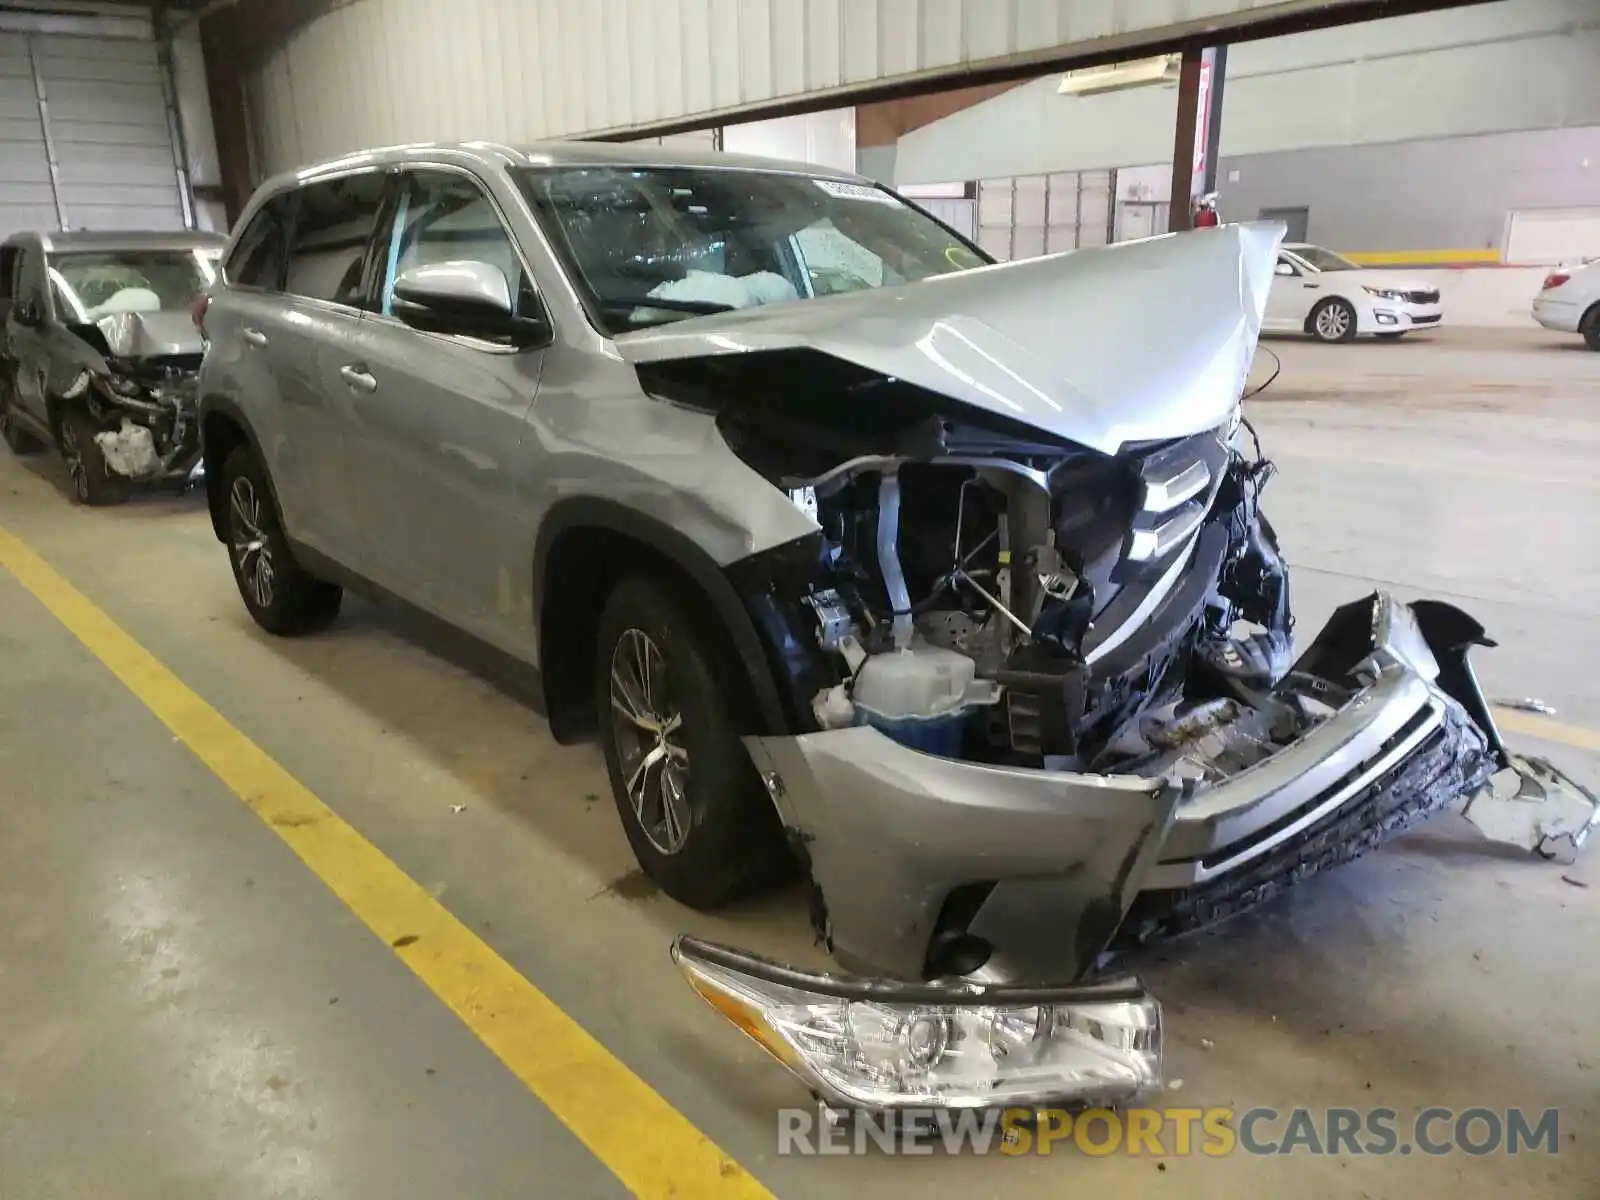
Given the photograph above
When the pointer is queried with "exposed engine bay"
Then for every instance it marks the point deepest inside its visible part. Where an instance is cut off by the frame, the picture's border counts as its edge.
(1049, 608)
(141, 385)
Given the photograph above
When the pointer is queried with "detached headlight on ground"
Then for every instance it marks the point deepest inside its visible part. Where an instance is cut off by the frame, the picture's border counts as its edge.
(878, 1045)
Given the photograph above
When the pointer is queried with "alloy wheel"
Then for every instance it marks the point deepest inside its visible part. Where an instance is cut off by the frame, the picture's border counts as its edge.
(648, 728)
(72, 454)
(1333, 322)
(247, 538)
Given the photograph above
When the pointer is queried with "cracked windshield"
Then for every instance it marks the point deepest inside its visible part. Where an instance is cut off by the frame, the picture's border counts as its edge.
(662, 244)
(89, 286)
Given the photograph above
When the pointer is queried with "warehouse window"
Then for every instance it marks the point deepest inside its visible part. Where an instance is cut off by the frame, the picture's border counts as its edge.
(334, 222)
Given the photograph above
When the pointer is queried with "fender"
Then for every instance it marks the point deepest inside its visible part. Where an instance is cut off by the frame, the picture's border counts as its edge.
(578, 512)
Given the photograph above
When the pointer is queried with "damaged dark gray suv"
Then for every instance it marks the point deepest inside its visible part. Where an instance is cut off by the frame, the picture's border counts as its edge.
(943, 584)
(99, 354)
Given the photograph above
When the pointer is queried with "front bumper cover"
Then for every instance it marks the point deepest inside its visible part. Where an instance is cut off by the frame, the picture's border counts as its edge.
(909, 851)
(926, 867)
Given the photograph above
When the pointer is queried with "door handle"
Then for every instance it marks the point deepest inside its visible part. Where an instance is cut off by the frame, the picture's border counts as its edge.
(1311, 287)
(255, 337)
(358, 377)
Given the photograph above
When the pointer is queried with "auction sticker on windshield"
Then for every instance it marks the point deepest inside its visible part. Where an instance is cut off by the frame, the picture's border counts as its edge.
(855, 191)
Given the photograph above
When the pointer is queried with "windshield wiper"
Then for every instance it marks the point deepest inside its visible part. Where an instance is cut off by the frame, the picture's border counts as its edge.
(702, 307)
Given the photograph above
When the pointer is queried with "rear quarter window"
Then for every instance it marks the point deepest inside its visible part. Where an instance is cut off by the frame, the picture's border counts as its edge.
(258, 258)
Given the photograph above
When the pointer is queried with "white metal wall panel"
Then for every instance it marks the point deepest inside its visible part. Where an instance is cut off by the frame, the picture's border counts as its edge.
(959, 214)
(826, 138)
(1030, 215)
(1515, 65)
(383, 71)
(1553, 236)
(26, 201)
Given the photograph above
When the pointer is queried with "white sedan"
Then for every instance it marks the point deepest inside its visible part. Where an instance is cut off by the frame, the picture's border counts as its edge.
(1316, 291)
(1570, 301)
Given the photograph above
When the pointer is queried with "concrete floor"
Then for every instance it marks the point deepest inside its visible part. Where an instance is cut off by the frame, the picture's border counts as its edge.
(188, 1011)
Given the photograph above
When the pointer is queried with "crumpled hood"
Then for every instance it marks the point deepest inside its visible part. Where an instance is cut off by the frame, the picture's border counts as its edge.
(1129, 343)
(151, 334)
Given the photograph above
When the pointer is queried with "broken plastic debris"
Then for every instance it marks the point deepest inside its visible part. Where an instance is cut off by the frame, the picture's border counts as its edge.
(129, 451)
(1534, 805)
(1206, 1044)
(458, 808)
(1529, 704)
(1174, 1085)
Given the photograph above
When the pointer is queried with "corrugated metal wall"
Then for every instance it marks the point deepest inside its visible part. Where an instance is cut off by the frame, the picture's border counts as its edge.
(375, 72)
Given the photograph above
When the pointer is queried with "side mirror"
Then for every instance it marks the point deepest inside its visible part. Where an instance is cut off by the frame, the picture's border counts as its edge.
(27, 313)
(1284, 268)
(464, 297)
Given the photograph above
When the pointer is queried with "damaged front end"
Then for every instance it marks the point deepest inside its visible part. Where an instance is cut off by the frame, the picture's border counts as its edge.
(141, 387)
(1038, 670)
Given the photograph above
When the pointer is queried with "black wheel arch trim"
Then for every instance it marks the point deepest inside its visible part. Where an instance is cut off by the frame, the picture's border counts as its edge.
(578, 512)
(215, 405)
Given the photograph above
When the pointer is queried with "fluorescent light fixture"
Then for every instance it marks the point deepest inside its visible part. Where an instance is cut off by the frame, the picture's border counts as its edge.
(1118, 76)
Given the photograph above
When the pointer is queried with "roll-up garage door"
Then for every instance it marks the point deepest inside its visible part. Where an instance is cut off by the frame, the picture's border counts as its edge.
(99, 108)
(26, 199)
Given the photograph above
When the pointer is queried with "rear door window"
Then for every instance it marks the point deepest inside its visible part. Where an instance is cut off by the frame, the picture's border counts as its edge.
(333, 226)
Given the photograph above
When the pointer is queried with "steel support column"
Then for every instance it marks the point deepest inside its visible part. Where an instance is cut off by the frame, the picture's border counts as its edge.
(230, 119)
(1180, 212)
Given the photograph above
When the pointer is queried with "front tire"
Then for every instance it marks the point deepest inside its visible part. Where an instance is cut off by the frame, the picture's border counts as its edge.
(281, 595)
(692, 805)
(1334, 320)
(93, 482)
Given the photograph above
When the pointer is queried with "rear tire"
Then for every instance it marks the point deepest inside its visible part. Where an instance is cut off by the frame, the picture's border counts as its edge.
(696, 814)
(19, 439)
(1334, 320)
(16, 436)
(93, 482)
(1589, 326)
(280, 594)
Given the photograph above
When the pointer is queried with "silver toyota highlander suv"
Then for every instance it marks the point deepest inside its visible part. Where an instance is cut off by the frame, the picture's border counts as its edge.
(940, 583)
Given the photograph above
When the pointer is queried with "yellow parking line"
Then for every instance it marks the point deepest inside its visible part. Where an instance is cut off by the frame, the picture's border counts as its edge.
(1512, 720)
(650, 1146)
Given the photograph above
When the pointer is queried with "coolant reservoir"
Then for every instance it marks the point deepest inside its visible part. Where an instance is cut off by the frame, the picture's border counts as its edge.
(921, 697)
(924, 681)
